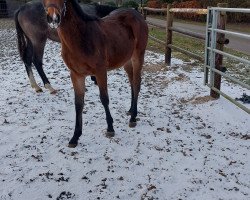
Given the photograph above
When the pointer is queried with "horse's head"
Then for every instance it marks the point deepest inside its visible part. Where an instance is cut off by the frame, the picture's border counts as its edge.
(55, 9)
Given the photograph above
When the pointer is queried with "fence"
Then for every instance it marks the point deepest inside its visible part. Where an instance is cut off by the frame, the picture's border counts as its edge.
(154, 10)
(214, 52)
(169, 31)
(3, 9)
(213, 57)
(8, 7)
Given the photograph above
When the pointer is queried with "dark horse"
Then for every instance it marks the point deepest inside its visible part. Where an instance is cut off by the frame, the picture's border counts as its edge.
(33, 31)
(92, 45)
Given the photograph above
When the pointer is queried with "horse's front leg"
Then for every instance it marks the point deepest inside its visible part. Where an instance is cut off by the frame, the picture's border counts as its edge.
(102, 84)
(79, 89)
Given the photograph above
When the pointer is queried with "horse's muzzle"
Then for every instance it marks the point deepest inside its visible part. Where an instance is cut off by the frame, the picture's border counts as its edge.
(53, 15)
(54, 20)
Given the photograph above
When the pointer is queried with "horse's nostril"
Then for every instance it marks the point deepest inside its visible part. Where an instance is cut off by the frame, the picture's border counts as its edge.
(58, 19)
(49, 19)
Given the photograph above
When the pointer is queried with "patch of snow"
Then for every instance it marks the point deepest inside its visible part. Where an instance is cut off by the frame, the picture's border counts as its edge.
(180, 149)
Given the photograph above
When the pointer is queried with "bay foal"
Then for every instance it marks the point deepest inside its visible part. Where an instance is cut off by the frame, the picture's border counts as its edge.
(91, 46)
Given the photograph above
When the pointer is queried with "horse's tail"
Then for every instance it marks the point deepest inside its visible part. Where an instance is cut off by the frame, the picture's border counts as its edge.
(22, 40)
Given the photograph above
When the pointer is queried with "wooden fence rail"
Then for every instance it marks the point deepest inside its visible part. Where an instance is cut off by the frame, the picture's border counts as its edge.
(169, 46)
(155, 10)
(214, 45)
(170, 29)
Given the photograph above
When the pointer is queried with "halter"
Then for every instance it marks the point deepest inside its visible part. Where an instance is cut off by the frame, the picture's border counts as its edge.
(64, 7)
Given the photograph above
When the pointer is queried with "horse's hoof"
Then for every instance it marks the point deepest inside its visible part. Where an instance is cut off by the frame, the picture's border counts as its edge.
(132, 124)
(110, 133)
(53, 92)
(71, 145)
(39, 90)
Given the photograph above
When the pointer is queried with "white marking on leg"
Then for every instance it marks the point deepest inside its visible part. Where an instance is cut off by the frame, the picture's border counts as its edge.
(50, 88)
(33, 83)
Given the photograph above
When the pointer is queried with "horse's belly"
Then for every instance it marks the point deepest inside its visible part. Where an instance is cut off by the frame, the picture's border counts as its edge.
(120, 54)
(116, 62)
(77, 64)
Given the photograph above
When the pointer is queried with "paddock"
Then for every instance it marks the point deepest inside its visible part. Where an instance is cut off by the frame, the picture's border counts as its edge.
(185, 146)
(215, 37)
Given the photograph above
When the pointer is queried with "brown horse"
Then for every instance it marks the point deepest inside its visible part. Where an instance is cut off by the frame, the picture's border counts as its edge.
(91, 46)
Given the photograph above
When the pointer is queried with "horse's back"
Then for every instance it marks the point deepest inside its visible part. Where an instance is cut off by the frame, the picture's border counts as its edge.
(126, 35)
(126, 15)
(131, 20)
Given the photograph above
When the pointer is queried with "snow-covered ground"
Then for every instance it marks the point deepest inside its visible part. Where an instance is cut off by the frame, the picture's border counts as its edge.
(185, 146)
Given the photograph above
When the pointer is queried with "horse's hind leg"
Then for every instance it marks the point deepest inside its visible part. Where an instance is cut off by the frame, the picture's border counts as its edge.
(133, 68)
(27, 59)
(93, 78)
(129, 69)
(102, 84)
(37, 61)
(32, 78)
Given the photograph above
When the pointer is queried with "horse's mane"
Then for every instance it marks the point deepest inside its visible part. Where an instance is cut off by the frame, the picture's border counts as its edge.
(84, 16)
(104, 10)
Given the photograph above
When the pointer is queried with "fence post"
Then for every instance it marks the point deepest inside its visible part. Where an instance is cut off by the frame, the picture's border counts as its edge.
(144, 13)
(221, 24)
(168, 35)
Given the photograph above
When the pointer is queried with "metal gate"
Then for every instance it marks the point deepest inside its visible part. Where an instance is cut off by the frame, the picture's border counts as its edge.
(3, 9)
(8, 7)
(212, 52)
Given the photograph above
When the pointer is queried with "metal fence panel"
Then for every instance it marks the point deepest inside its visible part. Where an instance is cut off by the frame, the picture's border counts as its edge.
(211, 51)
(8, 7)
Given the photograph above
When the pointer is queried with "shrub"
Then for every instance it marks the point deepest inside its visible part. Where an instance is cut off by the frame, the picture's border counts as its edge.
(110, 3)
(84, 1)
(130, 4)
(154, 4)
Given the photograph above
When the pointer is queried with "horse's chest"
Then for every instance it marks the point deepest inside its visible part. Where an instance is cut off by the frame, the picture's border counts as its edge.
(77, 63)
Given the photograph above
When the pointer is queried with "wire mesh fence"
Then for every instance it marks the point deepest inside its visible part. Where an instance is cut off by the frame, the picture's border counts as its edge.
(8, 7)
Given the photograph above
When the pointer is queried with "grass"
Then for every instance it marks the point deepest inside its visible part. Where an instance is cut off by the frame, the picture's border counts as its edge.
(190, 44)
(234, 68)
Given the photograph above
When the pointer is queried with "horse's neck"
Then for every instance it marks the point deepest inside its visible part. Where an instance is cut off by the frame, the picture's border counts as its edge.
(71, 26)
